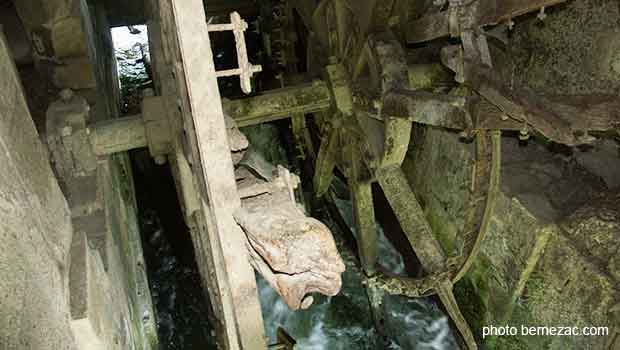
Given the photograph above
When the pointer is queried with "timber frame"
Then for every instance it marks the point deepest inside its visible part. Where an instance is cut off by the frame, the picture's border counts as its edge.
(365, 105)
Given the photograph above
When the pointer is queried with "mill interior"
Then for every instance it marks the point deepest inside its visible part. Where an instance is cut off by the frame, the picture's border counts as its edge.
(301, 174)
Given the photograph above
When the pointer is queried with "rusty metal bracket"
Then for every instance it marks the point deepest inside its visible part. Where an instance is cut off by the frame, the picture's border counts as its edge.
(245, 71)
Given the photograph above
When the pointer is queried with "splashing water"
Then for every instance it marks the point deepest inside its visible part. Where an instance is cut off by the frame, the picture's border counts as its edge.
(344, 322)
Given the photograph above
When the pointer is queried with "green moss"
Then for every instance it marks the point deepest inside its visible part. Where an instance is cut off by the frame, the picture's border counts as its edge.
(472, 293)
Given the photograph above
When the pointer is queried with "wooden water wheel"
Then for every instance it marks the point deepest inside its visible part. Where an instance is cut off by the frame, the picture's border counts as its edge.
(367, 134)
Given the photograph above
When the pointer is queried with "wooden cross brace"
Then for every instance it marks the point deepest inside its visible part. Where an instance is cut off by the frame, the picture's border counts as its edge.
(245, 71)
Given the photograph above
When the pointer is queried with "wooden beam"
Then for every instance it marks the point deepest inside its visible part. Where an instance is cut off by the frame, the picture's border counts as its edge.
(487, 12)
(563, 119)
(236, 293)
(426, 108)
(279, 104)
(325, 162)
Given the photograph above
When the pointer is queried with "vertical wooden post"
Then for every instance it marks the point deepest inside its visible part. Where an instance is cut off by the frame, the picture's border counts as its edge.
(364, 211)
(236, 293)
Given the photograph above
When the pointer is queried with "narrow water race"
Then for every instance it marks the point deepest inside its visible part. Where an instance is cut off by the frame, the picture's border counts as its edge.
(183, 313)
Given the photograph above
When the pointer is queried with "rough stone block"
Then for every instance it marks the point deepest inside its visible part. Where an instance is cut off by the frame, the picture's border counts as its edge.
(75, 73)
(35, 229)
(66, 35)
(88, 288)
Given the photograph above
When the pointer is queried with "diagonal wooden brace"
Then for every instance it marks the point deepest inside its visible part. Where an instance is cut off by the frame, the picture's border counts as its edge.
(420, 235)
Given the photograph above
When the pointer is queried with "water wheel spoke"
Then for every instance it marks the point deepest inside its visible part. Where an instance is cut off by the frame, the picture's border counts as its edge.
(446, 295)
(364, 212)
(325, 162)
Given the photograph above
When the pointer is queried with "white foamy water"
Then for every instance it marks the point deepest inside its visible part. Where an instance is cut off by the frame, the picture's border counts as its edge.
(344, 322)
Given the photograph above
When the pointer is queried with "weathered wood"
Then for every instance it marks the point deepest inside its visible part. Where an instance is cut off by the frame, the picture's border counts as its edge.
(411, 217)
(484, 191)
(487, 12)
(585, 113)
(426, 108)
(296, 254)
(118, 135)
(279, 104)
(429, 27)
(446, 295)
(563, 120)
(325, 162)
(364, 211)
(237, 294)
(422, 239)
(516, 104)
(365, 226)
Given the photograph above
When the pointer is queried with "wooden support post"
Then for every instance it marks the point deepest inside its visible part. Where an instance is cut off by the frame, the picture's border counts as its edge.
(236, 294)
(118, 135)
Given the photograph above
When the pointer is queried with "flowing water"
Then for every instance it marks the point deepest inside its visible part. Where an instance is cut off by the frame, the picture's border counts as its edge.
(341, 322)
(345, 321)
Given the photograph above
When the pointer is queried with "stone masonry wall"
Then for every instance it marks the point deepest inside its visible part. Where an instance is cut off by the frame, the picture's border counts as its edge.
(35, 230)
(548, 258)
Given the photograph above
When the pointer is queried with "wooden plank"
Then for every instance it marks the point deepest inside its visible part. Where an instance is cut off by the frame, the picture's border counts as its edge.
(493, 12)
(360, 185)
(237, 292)
(429, 27)
(489, 12)
(411, 217)
(425, 108)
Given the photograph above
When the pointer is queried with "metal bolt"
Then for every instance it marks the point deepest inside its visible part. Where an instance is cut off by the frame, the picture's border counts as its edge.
(541, 15)
(524, 134)
(160, 159)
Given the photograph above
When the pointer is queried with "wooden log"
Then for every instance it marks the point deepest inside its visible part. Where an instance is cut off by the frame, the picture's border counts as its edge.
(296, 254)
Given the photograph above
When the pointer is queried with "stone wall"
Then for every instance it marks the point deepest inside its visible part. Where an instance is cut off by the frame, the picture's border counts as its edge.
(35, 230)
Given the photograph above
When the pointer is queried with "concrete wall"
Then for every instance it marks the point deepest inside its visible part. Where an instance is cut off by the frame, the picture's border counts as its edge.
(35, 230)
